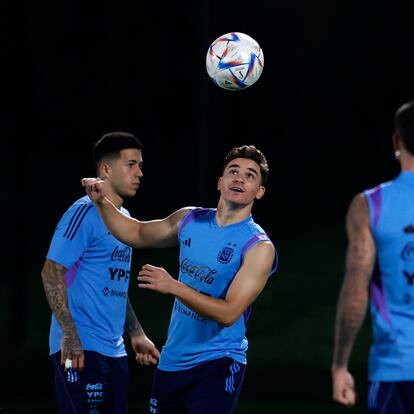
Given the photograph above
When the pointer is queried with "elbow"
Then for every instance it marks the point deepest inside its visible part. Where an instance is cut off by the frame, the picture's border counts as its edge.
(228, 320)
(44, 273)
(229, 315)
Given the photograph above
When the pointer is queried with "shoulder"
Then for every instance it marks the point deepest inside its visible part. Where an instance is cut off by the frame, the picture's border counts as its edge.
(197, 214)
(358, 202)
(262, 255)
(259, 246)
(376, 191)
(256, 231)
(80, 206)
(265, 247)
(254, 238)
(358, 212)
(82, 210)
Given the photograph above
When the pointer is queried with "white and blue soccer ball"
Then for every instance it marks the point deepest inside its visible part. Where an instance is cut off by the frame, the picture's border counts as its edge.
(234, 61)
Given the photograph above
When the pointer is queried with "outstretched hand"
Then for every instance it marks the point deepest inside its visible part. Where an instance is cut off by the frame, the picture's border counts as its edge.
(343, 386)
(145, 351)
(94, 188)
(156, 278)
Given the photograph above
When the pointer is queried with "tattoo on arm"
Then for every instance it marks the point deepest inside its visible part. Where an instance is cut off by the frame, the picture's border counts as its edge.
(132, 325)
(353, 298)
(53, 277)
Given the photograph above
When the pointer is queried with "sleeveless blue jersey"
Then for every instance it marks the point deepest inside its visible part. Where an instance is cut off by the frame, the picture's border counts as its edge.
(391, 207)
(210, 257)
(97, 279)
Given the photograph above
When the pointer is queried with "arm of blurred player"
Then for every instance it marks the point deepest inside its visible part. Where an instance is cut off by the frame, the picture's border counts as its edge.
(145, 351)
(53, 278)
(154, 233)
(353, 298)
(243, 290)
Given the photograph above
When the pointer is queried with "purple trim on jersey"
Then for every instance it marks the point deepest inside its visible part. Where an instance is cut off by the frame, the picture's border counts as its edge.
(193, 214)
(254, 239)
(247, 313)
(378, 296)
(71, 273)
(375, 195)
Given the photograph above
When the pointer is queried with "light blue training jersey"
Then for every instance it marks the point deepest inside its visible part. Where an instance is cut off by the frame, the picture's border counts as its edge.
(391, 207)
(210, 257)
(97, 279)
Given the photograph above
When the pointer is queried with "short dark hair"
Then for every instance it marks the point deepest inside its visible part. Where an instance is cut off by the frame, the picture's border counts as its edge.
(404, 125)
(252, 153)
(112, 143)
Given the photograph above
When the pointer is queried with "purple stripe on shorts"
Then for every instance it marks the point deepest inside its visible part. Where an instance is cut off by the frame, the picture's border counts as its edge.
(71, 274)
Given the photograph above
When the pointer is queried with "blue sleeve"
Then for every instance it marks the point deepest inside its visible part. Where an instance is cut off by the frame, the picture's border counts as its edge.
(73, 235)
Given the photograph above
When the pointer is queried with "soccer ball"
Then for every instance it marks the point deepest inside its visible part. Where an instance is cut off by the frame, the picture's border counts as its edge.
(234, 61)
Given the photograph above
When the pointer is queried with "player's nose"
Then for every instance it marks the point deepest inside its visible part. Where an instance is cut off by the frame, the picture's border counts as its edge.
(139, 172)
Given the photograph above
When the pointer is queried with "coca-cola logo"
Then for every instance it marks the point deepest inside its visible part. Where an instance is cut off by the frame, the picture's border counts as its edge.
(201, 273)
(94, 387)
(121, 255)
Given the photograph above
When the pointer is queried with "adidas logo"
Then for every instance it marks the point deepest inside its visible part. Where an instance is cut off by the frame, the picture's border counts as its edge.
(187, 242)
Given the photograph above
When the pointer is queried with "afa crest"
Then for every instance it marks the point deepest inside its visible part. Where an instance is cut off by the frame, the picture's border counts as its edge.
(226, 254)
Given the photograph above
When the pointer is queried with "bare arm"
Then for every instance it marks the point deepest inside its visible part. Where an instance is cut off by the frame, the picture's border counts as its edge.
(244, 289)
(145, 351)
(154, 233)
(353, 298)
(132, 325)
(54, 285)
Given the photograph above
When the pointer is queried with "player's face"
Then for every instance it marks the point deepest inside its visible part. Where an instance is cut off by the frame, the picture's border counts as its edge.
(241, 182)
(125, 173)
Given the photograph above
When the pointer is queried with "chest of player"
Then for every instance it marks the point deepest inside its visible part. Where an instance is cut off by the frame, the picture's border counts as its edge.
(111, 257)
(209, 263)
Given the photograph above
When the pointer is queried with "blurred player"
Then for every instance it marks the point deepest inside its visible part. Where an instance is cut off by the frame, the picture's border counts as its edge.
(225, 262)
(86, 277)
(380, 263)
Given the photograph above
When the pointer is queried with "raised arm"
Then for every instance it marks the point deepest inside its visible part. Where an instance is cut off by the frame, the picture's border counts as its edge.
(244, 289)
(53, 277)
(353, 298)
(135, 233)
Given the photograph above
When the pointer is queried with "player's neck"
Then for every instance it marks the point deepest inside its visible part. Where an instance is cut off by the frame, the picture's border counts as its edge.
(230, 213)
(407, 162)
(116, 199)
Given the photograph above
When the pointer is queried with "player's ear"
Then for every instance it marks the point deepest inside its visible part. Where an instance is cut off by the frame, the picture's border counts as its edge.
(260, 192)
(104, 170)
(220, 180)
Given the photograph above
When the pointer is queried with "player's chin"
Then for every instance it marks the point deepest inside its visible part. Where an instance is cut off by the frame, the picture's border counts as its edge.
(130, 192)
(239, 199)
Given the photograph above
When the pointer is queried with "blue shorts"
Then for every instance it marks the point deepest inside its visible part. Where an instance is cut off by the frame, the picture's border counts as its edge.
(102, 386)
(210, 387)
(391, 397)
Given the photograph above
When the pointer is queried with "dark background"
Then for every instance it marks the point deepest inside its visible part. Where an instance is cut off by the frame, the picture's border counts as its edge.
(322, 112)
